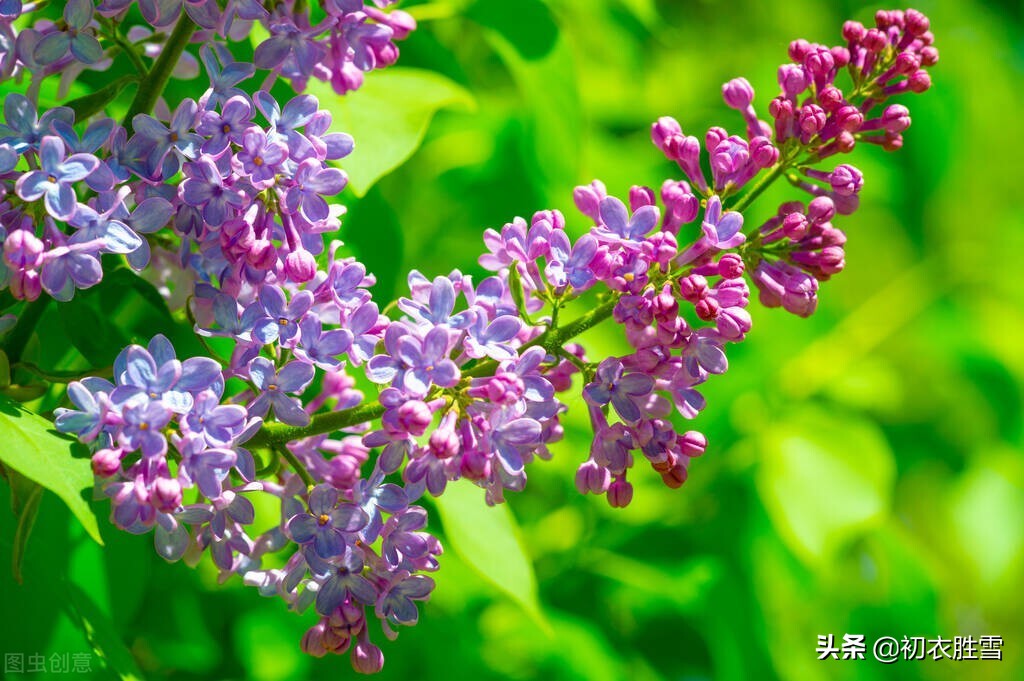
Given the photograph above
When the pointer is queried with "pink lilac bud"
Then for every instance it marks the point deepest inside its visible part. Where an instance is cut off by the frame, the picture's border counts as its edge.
(588, 199)
(414, 417)
(929, 56)
(106, 462)
(681, 205)
(849, 118)
(367, 658)
(592, 478)
(730, 266)
(812, 120)
(840, 56)
(263, 255)
(26, 284)
(915, 23)
(738, 93)
(854, 31)
(798, 49)
(692, 443)
(620, 493)
(793, 79)
(794, 226)
(167, 494)
(444, 443)
(693, 288)
(675, 476)
(237, 238)
(663, 129)
(919, 82)
(313, 640)
(831, 98)
(475, 465)
(343, 472)
(706, 308)
(300, 265)
(763, 153)
(714, 136)
(846, 180)
(663, 247)
(641, 196)
(785, 116)
(895, 118)
(23, 250)
(820, 210)
(874, 40)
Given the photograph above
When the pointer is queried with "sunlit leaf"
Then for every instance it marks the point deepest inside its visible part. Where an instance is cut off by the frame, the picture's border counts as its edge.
(388, 117)
(823, 478)
(488, 539)
(33, 448)
(102, 635)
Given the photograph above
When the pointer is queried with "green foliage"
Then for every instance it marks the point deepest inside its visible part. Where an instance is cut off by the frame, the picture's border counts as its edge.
(34, 449)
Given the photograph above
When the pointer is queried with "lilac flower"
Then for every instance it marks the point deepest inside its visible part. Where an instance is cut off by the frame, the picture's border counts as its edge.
(623, 392)
(83, 46)
(345, 582)
(227, 126)
(619, 226)
(260, 158)
(397, 603)
(374, 495)
(22, 128)
(288, 49)
(203, 466)
(438, 305)
(95, 136)
(403, 542)
(485, 339)
(293, 378)
(329, 526)
(570, 265)
(87, 421)
(231, 323)
(222, 81)
(205, 188)
(319, 347)
(413, 364)
(70, 266)
(282, 318)
(163, 138)
(218, 424)
(284, 124)
(310, 181)
(54, 183)
(156, 373)
(114, 235)
(143, 421)
(508, 440)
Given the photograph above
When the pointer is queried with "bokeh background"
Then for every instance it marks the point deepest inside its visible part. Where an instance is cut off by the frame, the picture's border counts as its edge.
(864, 474)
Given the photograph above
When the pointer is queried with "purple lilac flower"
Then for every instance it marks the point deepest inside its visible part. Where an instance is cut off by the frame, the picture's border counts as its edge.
(622, 391)
(274, 386)
(54, 182)
(329, 526)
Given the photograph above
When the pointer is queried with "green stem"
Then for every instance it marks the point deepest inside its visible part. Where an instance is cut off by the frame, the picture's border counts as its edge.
(295, 464)
(129, 51)
(19, 336)
(274, 434)
(744, 201)
(151, 88)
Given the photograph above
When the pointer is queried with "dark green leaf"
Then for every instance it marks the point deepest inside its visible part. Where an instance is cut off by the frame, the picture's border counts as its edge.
(94, 102)
(33, 448)
(102, 635)
(526, 24)
(26, 519)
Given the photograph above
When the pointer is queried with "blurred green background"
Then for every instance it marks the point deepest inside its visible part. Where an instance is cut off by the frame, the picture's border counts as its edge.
(864, 474)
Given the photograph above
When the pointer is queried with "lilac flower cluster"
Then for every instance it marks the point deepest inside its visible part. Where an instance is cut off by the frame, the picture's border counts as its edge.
(230, 192)
(336, 41)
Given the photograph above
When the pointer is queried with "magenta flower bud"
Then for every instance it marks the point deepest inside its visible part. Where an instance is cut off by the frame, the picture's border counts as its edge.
(840, 56)
(588, 199)
(730, 266)
(620, 493)
(763, 153)
(830, 98)
(681, 205)
(738, 93)
(300, 265)
(167, 494)
(554, 218)
(475, 466)
(23, 250)
(367, 658)
(663, 246)
(313, 640)
(444, 443)
(26, 284)
(106, 462)
(798, 49)
(693, 288)
(640, 196)
(906, 63)
(915, 23)
(505, 388)
(854, 31)
(849, 118)
(874, 40)
(793, 80)
(794, 226)
(812, 120)
(821, 210)
(414, 417)
(401, 23)
(675, 477)
(263, 255)
(929, 56)
(819, 63)
(342, 472)
(846, 180)
(895, 118)
(832, 260)
(237, 237)
(919, 82)
(665, 128)
(692, 443)
(592, 478)
(714, 137)
(707, 308)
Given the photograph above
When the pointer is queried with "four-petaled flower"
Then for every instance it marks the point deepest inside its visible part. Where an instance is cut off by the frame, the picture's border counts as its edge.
(329, 526)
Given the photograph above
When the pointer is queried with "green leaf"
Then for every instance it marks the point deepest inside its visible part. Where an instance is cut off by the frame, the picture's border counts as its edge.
(526, 24)
(488, 539)
(102, 635)
(33, 448)
(824, 478)
(388, 117)
(89, 104)
(26, 519)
